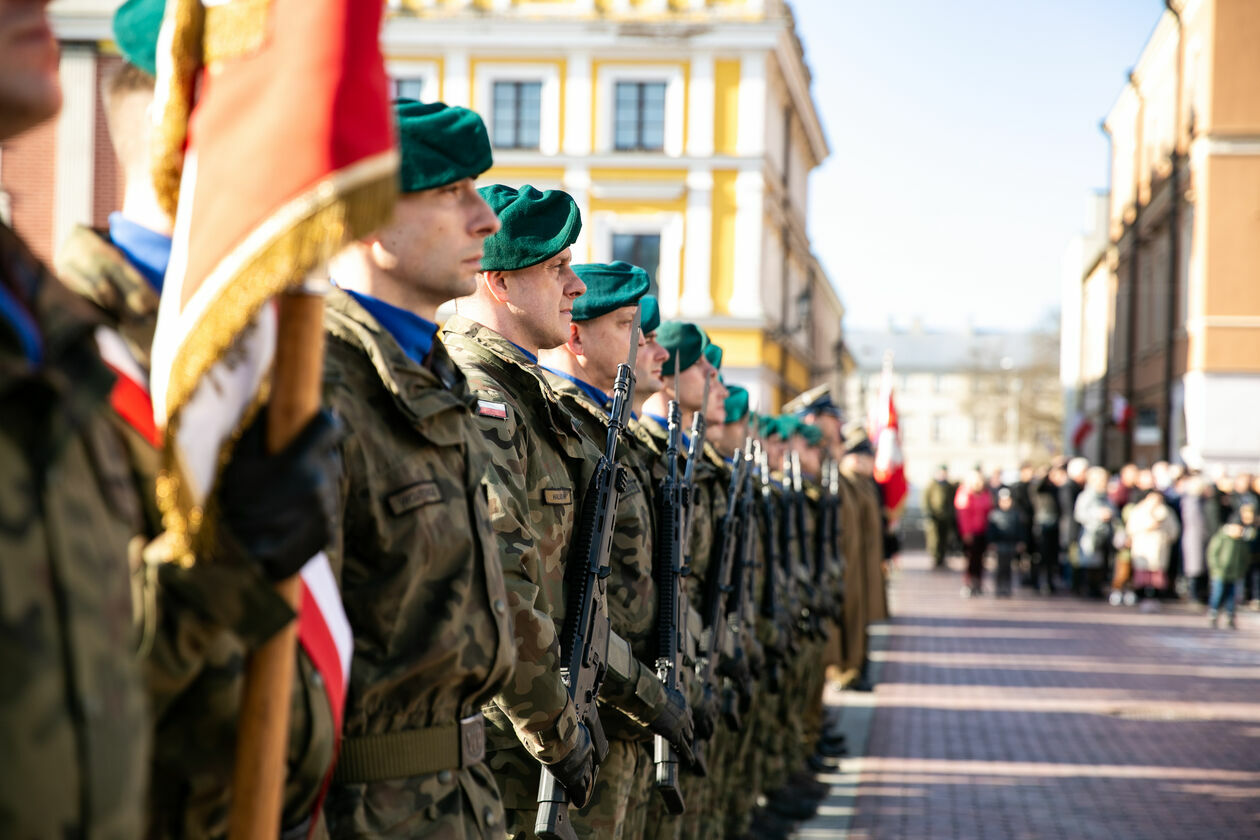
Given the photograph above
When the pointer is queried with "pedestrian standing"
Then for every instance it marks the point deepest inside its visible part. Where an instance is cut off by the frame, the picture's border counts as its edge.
(1152, 530)
(1096, 517)
(1226, 559)
(1069, 527)
(1194, 537)
(1005, 532)
(972, 503)
(1046, 515)
(938, 515)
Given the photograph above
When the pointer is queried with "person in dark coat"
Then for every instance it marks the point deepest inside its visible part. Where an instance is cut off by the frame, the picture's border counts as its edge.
(1006, 533)
(1045, 528)
(1069, 528)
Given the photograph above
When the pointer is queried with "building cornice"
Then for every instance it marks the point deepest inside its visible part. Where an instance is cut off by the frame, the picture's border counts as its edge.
(528, 36)
(796, 76)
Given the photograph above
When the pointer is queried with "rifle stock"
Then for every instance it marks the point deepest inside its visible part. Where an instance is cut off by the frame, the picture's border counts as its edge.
(671, 604)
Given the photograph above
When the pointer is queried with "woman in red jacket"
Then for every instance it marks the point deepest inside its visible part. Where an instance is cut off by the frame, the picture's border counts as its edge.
(973, 502)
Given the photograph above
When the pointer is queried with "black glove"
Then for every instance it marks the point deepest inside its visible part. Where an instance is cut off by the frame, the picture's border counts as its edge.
(735, 668)
(278, 508)
(675, 725)
(705, 714)
(576, 771)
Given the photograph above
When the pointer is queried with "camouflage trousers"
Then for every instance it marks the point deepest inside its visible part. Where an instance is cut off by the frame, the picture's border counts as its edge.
(619, 784)
(744, 779)
(450, 805)
(618, 805)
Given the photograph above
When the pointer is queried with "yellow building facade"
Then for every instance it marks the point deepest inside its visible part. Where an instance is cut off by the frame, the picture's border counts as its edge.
(686, 131)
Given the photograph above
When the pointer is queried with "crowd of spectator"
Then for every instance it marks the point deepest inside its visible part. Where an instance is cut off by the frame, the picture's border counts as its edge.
(1139, 536)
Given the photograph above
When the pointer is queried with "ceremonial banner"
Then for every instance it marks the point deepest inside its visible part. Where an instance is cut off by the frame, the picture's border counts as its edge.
(890, 472)
(273, 149)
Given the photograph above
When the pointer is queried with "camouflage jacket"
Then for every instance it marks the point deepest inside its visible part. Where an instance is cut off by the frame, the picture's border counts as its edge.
(632, 603)
(417, 562)
(73, 722)
(543, 464)
(202, 621)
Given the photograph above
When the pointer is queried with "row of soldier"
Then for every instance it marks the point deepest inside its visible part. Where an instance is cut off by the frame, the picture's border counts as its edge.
(725, 562)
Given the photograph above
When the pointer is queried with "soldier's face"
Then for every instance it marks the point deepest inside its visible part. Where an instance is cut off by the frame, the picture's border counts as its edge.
(733, 435)
(540, 298)
(647, 370)
(690, 385)
(605, 344)
(29, 88)
(715, 411)
(811, 456)
(433, 245)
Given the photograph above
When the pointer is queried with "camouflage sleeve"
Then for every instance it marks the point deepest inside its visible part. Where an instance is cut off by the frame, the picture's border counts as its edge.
(190, 607)
(535, 698)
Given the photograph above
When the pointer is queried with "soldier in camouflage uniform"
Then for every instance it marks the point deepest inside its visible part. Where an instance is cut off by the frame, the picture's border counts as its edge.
(582, 372)
(193, 668)
(75, 728)
(415, 557)
(685, 373)
(542, 464)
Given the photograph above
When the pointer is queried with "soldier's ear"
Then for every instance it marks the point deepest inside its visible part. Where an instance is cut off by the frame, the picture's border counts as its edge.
(496, 285)
(574, 342)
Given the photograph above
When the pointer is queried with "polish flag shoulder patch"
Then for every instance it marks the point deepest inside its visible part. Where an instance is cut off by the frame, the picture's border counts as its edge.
(489, 408)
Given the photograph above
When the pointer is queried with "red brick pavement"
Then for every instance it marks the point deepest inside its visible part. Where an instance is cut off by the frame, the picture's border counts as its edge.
(1040, 717)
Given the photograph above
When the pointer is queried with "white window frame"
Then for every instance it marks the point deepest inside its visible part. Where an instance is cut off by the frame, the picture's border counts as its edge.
(667, 224)
(489, 72)
(675, 94)
(426, 71)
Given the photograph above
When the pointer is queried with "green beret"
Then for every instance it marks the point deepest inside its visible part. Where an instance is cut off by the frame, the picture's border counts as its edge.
(685, 343)
(736, 403)
(535, 226)
(812, 434)
(609, 286)
(439, 145)
(787, 425)
(714, 354)
(649, 314)
(136, 25)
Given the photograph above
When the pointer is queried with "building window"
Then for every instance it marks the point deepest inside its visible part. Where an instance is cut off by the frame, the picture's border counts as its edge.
(411, 87)
(641, 249)
(639, 118)
(938, 425)
(517, 115)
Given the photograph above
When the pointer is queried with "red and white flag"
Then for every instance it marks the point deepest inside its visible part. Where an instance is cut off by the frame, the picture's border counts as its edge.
(890, 471)
(274, 147)
(1081, 430)
(1121, 412)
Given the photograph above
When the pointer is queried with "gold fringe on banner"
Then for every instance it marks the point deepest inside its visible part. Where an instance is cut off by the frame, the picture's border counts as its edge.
(309, 230)
(179, 61)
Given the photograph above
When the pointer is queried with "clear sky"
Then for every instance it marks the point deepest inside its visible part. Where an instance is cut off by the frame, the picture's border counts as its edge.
(964, 146)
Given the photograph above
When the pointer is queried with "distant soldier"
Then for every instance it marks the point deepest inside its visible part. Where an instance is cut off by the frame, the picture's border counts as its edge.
(417, 561)
(582, 372)
(938, 515)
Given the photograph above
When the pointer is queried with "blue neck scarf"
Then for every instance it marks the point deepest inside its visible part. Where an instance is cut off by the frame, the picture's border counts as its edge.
(147, 250)
(414, 334)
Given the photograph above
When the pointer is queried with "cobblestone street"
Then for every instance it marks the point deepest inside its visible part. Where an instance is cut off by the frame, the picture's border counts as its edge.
(1047, 718)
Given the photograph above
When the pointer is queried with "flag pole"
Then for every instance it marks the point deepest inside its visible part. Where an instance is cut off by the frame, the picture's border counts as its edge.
(263, 731)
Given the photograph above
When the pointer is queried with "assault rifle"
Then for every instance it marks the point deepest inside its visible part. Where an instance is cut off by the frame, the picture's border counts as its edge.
(740, 616)
(584, 637)
(770, 607)
(790, 544)
(671, 604)
(717, 628)
(811, 596)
